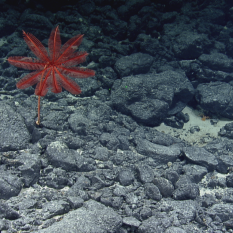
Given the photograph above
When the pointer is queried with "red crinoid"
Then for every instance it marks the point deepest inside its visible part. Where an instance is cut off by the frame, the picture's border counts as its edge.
(52, 66)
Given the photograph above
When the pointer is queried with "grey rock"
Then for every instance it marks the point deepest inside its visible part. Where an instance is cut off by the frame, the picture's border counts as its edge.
(152, 191)
(161, 154)
(13, 132)
(216, 98)
(29, 168)
(185, 189)
(131, 221)
(223, 211)
(92, 217)
(137, 63)
(146, 173)
(53, 208)
(201, 156)
(60, 155)
(10, 185)
(147, 97)
(217, 61)
(165, 186)
(126, 177)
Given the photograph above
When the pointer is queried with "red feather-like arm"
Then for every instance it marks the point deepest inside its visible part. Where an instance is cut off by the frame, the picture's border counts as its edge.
(54, 83)
(77, 72)
(50, 81)
(54, 44)
(29, 80)
(36, 46)
(68, 84)
(75, 59)
(43, 84)
(28, 63)
(69, 47)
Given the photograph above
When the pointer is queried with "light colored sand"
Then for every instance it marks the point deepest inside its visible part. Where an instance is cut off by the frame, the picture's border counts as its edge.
(207, 131)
